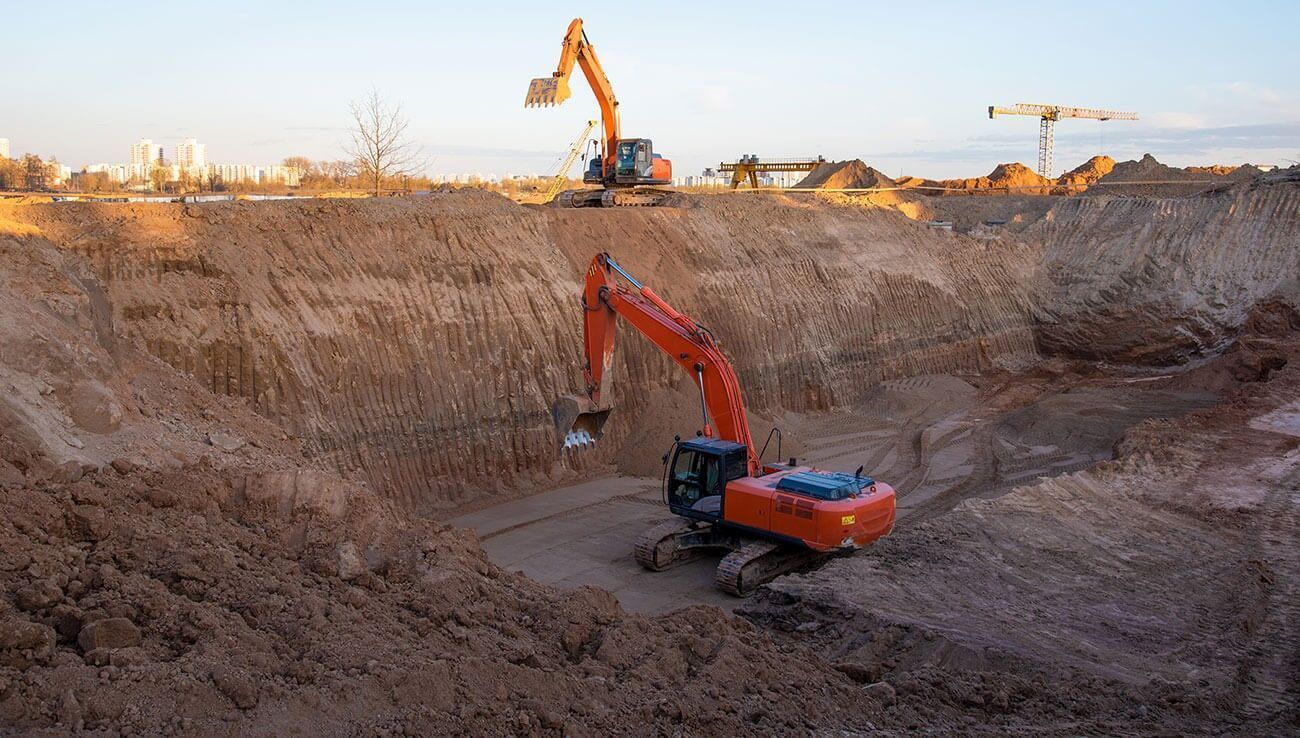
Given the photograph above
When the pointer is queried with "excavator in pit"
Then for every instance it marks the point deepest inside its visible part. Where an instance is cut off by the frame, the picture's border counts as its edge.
(623, 167)
(768, 518)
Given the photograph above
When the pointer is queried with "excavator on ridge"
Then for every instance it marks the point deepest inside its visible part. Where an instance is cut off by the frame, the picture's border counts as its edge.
(769, 518)
(623, 167)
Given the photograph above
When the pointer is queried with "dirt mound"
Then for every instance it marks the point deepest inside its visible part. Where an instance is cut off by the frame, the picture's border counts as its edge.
(1127, 178)
(1014, 178)
(917, 182)
(845, 175)
(1244, 171)
(1085, 174)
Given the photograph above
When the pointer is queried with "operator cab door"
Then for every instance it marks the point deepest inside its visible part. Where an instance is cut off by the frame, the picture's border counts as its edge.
(644, 158)
(695, 485)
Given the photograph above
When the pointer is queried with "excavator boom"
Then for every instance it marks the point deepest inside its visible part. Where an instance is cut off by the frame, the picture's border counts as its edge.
(683, 340)
(554, 90)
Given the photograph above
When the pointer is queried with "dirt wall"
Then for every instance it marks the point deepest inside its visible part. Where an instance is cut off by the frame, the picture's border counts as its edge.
(422, 342)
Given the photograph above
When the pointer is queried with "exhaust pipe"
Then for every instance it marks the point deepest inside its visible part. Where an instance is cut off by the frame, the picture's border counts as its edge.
(579, 423)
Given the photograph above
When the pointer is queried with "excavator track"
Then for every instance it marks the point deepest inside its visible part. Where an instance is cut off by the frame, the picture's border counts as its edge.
(642, 198)
(659, 548)
(757, 563)
(633, 198)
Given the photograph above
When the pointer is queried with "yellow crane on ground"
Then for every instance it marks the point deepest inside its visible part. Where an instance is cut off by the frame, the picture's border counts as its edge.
(562, 176)
(1048, 115)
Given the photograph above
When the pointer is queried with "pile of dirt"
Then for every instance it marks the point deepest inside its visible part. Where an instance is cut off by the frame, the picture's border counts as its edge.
(908, 182)
(1080, 177)
(839, 175)
(1127, 177)
(1243, 171)
(1012, 178)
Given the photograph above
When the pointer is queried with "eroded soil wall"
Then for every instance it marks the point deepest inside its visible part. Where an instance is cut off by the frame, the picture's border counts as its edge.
(423, 341)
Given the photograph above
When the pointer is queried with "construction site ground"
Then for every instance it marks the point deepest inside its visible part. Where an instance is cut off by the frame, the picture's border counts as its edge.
(289, 468)
(938, 439)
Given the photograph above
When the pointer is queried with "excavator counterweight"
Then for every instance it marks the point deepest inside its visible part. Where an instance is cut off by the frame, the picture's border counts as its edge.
(770, 518)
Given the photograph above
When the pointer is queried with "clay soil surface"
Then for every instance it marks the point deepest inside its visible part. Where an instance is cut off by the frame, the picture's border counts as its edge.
(290, 469)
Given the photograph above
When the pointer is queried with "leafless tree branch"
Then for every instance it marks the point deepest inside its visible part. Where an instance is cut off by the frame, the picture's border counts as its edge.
(379, 145)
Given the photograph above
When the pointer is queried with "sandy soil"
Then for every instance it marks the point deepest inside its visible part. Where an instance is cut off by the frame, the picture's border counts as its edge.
(220, 428)
(1162, 583)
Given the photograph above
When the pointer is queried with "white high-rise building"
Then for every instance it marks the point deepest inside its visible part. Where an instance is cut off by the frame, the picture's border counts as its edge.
(191, 156)
(145, 153)
(4, 148)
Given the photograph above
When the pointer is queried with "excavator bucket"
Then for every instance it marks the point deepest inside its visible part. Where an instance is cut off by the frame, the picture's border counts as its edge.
(578, 422)
(547, 91)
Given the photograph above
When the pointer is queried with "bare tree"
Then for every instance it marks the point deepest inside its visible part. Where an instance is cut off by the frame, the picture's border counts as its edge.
(379, 146)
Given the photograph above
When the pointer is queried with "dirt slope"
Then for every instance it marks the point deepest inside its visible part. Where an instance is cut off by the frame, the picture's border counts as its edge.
(421, 342)
(1154, 592)
(217, 419)
(1178, 287)
(1174, 182)
(1085, 174)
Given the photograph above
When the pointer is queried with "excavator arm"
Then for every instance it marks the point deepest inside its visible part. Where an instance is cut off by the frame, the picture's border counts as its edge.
(683, 340)
(554, 90)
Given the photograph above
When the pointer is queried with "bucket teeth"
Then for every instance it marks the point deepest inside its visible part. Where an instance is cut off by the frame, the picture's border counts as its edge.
(579, 438)
(546, 91)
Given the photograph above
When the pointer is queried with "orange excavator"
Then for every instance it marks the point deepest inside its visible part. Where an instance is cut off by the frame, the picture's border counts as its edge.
(769, 518)
(623, 167)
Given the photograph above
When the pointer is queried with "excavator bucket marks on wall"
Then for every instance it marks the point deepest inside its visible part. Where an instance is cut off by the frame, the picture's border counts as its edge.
(546, 91)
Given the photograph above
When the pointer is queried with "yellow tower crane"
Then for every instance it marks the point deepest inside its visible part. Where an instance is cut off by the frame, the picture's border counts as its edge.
(562, 176)
(1048, 115)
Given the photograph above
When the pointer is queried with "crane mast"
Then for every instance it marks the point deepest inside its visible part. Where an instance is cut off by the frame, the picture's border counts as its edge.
(562, 176)
(1047, 116)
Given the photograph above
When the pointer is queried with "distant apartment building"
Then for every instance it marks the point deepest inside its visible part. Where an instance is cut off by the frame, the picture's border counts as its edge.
(4, 148)
(192, 156)
(145, 153)
(120, 173)
(273, 174)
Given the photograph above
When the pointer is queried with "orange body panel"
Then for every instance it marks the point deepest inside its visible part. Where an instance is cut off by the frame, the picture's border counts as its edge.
(822, 525)
(663, 170)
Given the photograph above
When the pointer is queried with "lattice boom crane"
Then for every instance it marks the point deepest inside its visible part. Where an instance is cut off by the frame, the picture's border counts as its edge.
(1048, 115)
(562, 176)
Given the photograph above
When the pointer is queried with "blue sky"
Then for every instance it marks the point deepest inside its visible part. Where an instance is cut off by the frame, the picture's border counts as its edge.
(904, 86)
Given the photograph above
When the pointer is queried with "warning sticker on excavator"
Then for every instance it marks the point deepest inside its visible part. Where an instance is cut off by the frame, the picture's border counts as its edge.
(848, 519)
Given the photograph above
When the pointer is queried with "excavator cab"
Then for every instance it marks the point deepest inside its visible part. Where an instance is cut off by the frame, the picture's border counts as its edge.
(635, 162)
(697, 476)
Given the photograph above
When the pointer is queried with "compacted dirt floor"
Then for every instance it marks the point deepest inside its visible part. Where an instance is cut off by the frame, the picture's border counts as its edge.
(938, 439)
